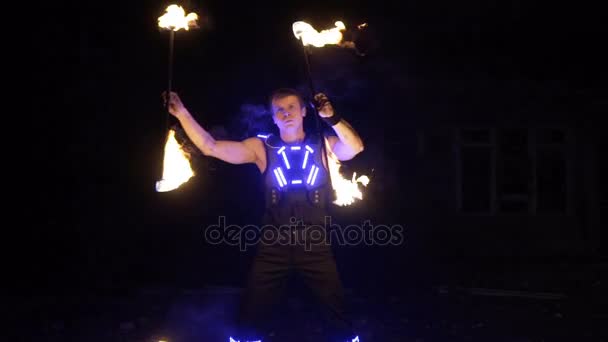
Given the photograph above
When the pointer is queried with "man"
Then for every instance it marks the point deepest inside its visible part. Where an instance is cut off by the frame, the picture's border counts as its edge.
(298, 193)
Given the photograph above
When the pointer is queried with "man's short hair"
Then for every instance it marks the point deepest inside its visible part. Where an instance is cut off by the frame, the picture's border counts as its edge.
(284, 92)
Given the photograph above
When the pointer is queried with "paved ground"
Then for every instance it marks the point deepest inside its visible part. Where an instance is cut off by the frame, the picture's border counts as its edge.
(417, 315)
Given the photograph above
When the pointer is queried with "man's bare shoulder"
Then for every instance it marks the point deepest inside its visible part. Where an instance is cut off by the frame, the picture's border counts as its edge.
(254, 143)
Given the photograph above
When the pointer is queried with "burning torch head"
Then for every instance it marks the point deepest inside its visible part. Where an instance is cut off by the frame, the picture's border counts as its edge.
(175, 18)
(355, 39)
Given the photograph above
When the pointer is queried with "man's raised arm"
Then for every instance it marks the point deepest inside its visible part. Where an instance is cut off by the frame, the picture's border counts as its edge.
(234, 152)
(348, 143)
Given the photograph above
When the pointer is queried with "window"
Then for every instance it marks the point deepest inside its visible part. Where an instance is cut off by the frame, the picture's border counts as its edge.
(512, 170)
(476, 151)
(551, 190)
(603, 171)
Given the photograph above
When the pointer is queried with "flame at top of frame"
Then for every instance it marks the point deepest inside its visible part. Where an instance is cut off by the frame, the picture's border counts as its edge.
(175, 19)
(310, 36)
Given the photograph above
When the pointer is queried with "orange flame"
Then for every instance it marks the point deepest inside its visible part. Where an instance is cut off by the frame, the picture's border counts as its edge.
(175, 19)
(310, 36)
(347, 191)
(176, 166)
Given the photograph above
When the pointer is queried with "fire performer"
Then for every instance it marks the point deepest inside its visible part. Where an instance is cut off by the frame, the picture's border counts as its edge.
(298, 194)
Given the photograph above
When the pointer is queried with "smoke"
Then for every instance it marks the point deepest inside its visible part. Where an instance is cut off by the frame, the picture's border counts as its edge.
(358, 39)
(253, 119)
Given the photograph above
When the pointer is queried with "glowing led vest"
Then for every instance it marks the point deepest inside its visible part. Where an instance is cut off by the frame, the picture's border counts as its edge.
(294, 166)
(295, 179)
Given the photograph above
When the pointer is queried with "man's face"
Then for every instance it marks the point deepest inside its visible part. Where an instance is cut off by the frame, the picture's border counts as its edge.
(287, 113)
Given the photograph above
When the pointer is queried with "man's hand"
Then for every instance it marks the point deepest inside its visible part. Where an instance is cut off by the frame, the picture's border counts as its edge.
(324, 107)
(175, 105)
(348, 143)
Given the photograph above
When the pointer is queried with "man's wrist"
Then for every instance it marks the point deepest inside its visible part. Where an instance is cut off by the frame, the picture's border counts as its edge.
(332, 120)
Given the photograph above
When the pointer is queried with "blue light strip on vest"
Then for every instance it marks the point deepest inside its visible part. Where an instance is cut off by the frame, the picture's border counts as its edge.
(312, 170)
(282, 177)
(305, 160)
(285, 159)
(276, 174)
(314, 177)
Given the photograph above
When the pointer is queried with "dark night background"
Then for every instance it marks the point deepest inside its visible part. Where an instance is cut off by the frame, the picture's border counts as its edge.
(483, 123)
